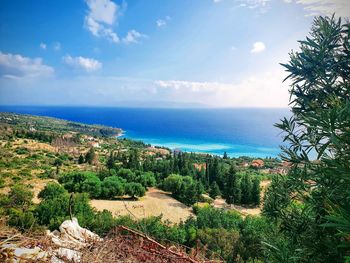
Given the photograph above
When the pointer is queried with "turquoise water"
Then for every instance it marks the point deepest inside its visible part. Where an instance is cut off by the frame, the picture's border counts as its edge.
(239, 132)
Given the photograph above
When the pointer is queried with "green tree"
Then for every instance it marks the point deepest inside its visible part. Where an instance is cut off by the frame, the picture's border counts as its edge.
(214, 190)
(147, 179)
(110, 161)
(127, 174)
(52, 190)
(134, 189)
(246, 187)
(90, 156)
(320, 92)
(230, 186)
(113, 186)
(81, 159)
(237, 193)
(256, 191)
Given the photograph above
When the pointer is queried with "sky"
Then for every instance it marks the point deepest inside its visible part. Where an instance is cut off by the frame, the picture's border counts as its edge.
(164, 53)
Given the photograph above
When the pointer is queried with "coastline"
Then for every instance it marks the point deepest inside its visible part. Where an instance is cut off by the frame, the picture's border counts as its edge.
(204, 147)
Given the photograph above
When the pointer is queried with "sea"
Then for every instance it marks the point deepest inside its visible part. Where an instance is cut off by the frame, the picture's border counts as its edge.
(236, 131)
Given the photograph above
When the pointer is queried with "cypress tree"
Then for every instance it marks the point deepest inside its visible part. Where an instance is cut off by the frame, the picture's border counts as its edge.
(256, 191)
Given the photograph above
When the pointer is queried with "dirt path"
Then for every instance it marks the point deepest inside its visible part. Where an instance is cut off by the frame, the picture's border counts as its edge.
(154, 203)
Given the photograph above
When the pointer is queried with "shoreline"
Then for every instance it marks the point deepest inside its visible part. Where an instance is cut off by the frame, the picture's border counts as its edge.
(213, 148)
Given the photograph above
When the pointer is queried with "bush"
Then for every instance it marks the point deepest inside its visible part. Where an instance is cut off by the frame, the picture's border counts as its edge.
(183, 188)
(147, 179)
(52, 212)
(209, 217)
(134, 189)
(52, 190)
(82, 182)
(127, 174)
(112, 186)
(23, 220)
(20, 196)
(102, 223)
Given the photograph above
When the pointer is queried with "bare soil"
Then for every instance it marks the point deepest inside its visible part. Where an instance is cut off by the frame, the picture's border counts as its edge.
(156, 202)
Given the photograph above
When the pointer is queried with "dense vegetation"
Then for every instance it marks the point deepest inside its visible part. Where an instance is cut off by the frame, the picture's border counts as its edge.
(305, 215)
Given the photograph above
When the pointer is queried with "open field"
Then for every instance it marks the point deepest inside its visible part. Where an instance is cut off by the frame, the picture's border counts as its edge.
(154, 203)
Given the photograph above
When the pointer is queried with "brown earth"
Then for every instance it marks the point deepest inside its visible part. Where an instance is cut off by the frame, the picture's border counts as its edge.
(156, 202)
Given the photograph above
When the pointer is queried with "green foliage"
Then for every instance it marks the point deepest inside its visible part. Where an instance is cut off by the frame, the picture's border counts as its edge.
(256, 191)
(209, 217)
(134, 189)
(113, 186)
(90, 156)
(183, 188)
(20, 196)
(214, 190)
(319, 128)
(51, 191)
(21, 219)
(147, 179)
(220, 242)
(276, 197)
(82, 182)
(81, 159)
(127, 174)
(52, 212)
(102, 222)
(246, 188)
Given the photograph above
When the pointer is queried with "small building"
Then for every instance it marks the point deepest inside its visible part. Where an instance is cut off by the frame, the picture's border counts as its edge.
(257, 163)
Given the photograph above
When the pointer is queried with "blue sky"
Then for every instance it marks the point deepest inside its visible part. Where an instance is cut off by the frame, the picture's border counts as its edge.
(166, 53)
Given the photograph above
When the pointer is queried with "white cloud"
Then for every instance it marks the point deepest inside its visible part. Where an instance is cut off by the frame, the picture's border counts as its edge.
(102, 11)
(100, 18)
(163, 22)
(87, 64)
(252, 4)
(326, 7)
(252, 92)
(43, 46)
(258, 47)
(57, 46)
(18, 67)
(133, 36)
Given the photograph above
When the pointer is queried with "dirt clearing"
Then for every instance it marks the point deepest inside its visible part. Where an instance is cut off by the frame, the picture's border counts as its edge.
(154, 203)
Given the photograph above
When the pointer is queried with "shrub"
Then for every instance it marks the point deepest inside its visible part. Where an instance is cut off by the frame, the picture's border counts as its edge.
(209, 217)
(52, 212)
(20, 196)
(127, 174)
(52, 190)
(23, 220)
(147, 179)
(134, 189)
(82, 182)
(102, 222)
(112, 186)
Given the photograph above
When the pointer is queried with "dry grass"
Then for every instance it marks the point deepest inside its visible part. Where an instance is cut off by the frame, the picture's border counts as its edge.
(154, 203)
(33, 145)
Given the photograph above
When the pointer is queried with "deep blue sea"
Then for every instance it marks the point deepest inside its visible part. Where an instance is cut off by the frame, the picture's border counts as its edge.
(239, 132)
